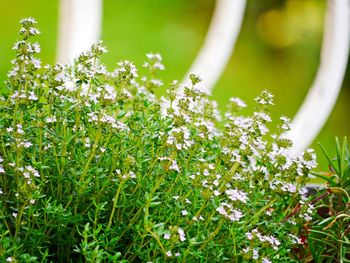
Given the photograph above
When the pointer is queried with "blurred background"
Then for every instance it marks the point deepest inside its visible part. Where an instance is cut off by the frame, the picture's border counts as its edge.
(278, 48)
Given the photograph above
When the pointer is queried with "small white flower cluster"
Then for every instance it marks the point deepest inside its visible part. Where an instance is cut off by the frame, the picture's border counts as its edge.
(18, 135)
(180, 138)
(266, 241)
(174, 166)
(170, 254)
(29, 173)
(266, 98)
(307, 215)
(10, 259)
(101, 118)
(295, 239)
(175, 232)
(155, 61)
(205, 175)
(129, 175)
(238, 102)
(237, 195)
(229, 212)
(27, 47)
(273, 242)
(2, 170)
(125, 70)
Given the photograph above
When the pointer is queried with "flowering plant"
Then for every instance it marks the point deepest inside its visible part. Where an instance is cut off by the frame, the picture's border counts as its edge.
(95, 168)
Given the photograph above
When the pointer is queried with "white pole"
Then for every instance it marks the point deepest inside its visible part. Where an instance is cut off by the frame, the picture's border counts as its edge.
(79, 27)
(219, 43)
(323, 94)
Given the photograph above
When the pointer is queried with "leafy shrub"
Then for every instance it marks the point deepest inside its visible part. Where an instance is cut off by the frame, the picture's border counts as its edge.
(95, 168)
(330, 229)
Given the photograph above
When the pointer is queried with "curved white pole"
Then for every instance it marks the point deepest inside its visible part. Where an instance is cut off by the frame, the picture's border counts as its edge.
(79, 27)
(219, 43)
(323, 94)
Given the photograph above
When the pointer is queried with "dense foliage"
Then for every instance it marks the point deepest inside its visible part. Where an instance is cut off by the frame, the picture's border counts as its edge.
(95, 168)
(329, 237)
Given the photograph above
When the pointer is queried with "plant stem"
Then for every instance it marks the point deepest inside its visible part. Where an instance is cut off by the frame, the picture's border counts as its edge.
(115, 201)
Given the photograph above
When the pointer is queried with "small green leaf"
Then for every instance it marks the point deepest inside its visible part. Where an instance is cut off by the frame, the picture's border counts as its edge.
(328, 158)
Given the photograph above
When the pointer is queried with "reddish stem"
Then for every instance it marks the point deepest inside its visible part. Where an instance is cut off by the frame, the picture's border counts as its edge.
(298, 207)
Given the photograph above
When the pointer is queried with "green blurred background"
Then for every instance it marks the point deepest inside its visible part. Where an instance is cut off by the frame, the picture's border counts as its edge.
(278, 48)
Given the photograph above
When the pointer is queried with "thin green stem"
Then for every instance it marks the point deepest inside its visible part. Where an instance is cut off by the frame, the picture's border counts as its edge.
(115, 201)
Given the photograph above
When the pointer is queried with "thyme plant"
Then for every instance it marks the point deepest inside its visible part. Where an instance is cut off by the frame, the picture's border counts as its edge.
(95, 168)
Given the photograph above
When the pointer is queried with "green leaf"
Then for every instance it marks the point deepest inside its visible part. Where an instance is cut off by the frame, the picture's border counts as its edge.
(328, 158)
(330, 179)
(339, 190)
(343, 158)
(339, 156)
(326, 220)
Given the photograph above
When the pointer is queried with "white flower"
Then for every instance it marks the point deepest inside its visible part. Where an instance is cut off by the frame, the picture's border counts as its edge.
(110, 93)
(249, 235)
(221, 210)
(184, 212)
(35, 48)
(240, 103)
(19, 129)
(229, 212)
(295, 239)
(237, 195)
(182, 234)
(216, 193)
(102, 149)
(246, 250)
(27, 144)
(32, 96)
(28, 20)
(262, 116)
(167, 236)
(266, 98)
(206, 172)
(289, 187)
(255, 253)
(168, 253)
(174, 166)
(266, 260)
(235, 215)
(69, 85)
(87, 142)
(273, 241)
(51, 119)
(157, 82)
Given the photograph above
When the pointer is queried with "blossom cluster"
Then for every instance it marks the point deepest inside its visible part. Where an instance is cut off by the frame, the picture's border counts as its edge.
(94, 166)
